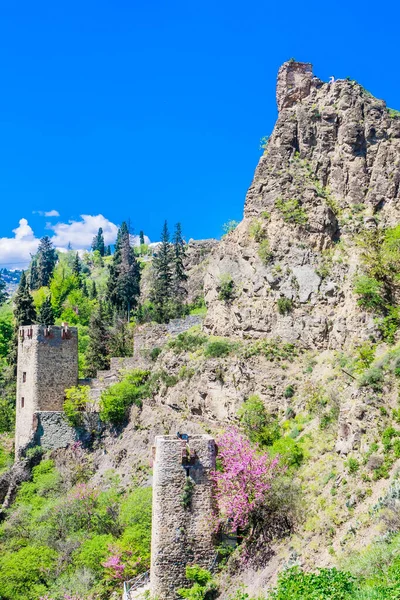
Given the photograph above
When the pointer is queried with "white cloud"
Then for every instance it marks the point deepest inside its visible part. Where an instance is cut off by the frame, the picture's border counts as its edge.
(15, 252)
(47, 213)
(81, 233)
(135, 240)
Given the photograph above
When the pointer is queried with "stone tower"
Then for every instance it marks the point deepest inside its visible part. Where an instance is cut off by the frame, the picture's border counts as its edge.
(181, 535)
(47, 365)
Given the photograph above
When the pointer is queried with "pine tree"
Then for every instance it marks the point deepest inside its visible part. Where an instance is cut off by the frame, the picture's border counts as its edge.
(162, 277)
(97, 357)
(24, 308)
(46, 314)
(77, 269)
(107, 251)
(3, 293)
(124, 278)
(98, 242)
(179, 277)
(141, 238)
(34, 274)
(46, 261)
(93, 291)
(85, 292)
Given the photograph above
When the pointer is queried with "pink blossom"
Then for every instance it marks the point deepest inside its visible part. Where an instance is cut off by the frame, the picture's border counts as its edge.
(115, 566)
(243, 483)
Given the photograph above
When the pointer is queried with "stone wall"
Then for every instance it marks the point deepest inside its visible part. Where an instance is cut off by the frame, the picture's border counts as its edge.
(180, 536)
(47, 365)
(52, 430)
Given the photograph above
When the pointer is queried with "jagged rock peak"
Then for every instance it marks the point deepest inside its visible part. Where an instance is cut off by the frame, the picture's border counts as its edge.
(294, 83)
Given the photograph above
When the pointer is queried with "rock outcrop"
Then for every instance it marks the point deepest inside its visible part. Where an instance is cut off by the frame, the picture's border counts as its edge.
(330, 169)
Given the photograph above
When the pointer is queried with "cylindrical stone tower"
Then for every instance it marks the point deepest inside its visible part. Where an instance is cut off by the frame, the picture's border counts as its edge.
(182, 527)
(47, 366)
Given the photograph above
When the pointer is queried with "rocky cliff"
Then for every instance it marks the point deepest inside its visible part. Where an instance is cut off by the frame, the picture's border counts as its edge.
(330, 169)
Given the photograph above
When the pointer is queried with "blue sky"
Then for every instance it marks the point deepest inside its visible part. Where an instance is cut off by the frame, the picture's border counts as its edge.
(155, 109)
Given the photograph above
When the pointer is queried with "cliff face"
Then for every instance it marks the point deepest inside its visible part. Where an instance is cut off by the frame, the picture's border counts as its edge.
(330, 169)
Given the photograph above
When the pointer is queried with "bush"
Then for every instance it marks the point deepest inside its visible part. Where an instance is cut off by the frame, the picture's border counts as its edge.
(26, 573)
(155, 353)
(370, 292)
(204, 587)
(327, 584)
(352, 465)
(264, 252)
(116, 400)
(188, 341)
(226, 288)
(290, 452)
(289, 391)
(285, 305)
(292, 211)
(217, 349)
(372, 378)
(257, 230)
(259, 426)
(76, 399)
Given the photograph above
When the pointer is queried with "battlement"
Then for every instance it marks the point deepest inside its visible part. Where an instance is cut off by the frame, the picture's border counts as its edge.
(47, 366)
(182, 528)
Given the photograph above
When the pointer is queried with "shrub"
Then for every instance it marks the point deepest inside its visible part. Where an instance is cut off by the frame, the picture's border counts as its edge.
(116, 400)
(327, 584)
(285, 305)
(229, 226)
(26, 573)
(264, 252)
(76, 399)
(155, 353)
(372, 378)
(226, 288)
(370, 292)
(289, 452)
(292, 211)
(217, 349)
(256, 230)
(259, 426)
(204, 587)
(352, 465)
(289, 391)
(188, 341)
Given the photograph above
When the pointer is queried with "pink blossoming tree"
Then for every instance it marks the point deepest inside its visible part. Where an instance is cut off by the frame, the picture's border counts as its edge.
(244, 481)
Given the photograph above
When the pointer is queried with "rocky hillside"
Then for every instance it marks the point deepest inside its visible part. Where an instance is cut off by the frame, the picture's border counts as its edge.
(330, 170)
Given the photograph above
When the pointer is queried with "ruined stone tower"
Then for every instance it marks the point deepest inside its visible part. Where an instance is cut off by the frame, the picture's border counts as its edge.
(47, 365)
(182, 529)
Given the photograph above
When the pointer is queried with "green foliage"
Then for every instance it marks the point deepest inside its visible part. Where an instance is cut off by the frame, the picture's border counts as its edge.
(26, 573)
(203, 588)
(372, 378)
(118, 398)
(188, 341)
(6, 330)
(289, 391)
(273, 350)
(260, 426)
(327, 584)
(257, 230)
(226, 288)
(290, 452)
(217, 348)
(98, 242)
(264, 252)
(155, 353)
(370, 292)
(24, 309)
(187, 493)
(352, 465)
(76, 399)
(292, 211)
(284, 305)
(45, 314)
(96, 355)
(229, 226)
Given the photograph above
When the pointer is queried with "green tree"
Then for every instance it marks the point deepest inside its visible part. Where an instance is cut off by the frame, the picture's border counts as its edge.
(24, 308)
(97, 357)
(93, 291)
(46, 313)
(3, 293)
(162, 277)
(179, 277)
(77, 269)
(34, 274)
(46, 261)
(124, 280)
(141, 238)
(98, 242)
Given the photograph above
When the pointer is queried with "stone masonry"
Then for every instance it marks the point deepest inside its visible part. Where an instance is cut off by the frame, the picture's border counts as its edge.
(181, 535)
(47, 366)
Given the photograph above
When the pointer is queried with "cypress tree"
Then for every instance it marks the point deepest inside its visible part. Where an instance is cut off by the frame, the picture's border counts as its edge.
(46, 261)
(77, 269)
(24, 309)
(3, 293)
(98, 242)
(179, 277)
(84, 289)
(93, 291)
(141, 238)
(162, 277)
(107, 251)
(34, 274)
(46, 313)
(124, 278)
(97, 349)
